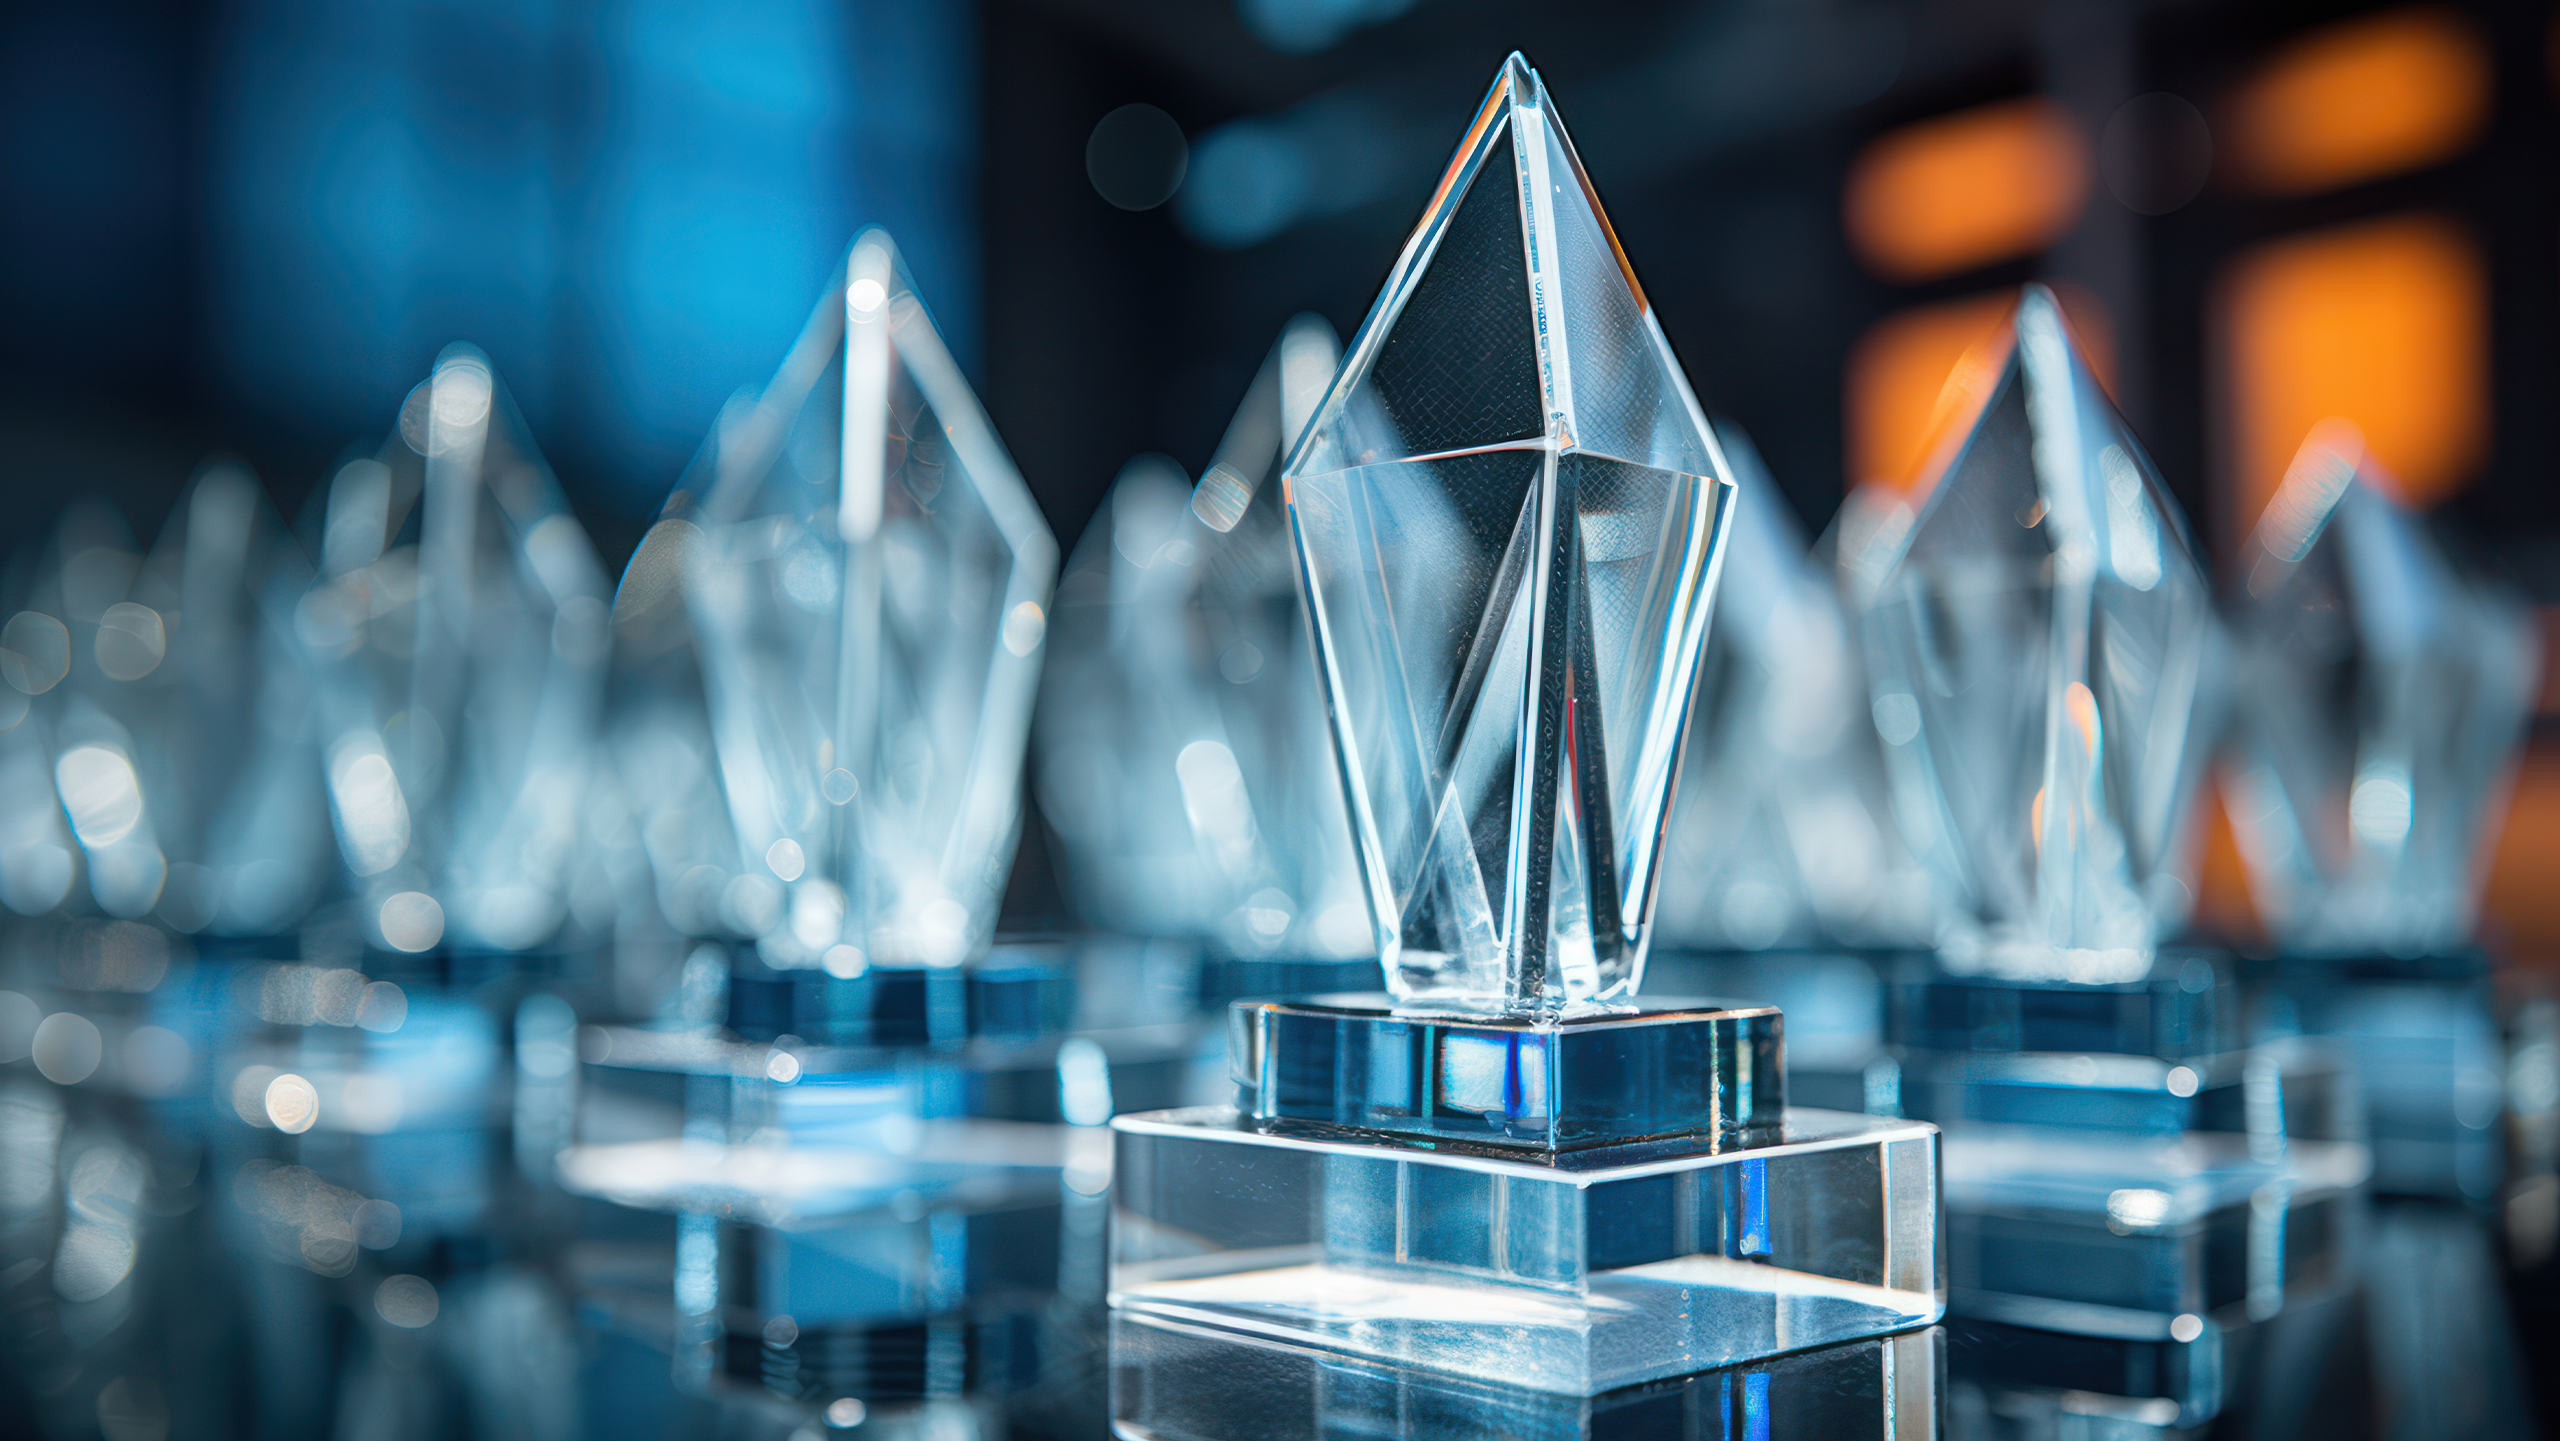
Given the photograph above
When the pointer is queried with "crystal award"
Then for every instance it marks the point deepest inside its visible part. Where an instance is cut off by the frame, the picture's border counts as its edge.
(870, 594)
(1507, 515)
(1782, 836)
(2384, 700)
(2041, 646)
(1184, 761)
(2123, 1177)
(459, 630)
(2385, 694)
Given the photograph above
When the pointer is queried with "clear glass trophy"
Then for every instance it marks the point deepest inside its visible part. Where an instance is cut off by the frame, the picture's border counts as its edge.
(1507, 514)
(1783, 837)
(2385, 700)
(2121, 1168)
(459, 630)
(1185, 767)
(865, 1215)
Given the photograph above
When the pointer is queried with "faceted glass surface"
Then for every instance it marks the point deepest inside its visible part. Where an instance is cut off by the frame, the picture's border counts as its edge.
(1183, 759)
(1548, 1278)
(1508, 513)
(460, 630)
(870, 594)
(1782, 835)
(2381, 702)
(2041, 646)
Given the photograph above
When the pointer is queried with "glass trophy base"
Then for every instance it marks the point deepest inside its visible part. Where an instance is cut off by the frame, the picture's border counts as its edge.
(1173, 1382)
(2127, 1235)
(2185, 1007)
(2272, 1092)
(1651, 1071)
(2025, 1380)
(2423, 1035)
(1571, 1273)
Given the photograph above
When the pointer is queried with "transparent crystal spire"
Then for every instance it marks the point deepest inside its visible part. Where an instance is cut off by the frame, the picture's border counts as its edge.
(870, 596)
(459, 631)
(2381, 700)
(1182, 746)
(1782, 834)
(2042, 650)
(1508, 514)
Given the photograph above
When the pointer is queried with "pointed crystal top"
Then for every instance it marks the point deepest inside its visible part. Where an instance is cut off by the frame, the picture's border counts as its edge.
(2041, 647)
(870, 594)
(1508, 514)
(2381, 699)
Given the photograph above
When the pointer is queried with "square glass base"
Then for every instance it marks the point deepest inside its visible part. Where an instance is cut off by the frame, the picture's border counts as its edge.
(1573, 1274)
(2130, 1383)
(1172, 1382)
(2424, 1038)
(2124, 1234)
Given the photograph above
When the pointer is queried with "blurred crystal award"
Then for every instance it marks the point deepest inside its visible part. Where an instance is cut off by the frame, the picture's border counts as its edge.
(2127, 1183)
(1184, 761)
(1507, 515)
(2386, 696)
(1782, 836)
(459, 631)
(2040, 641)
(870, 593)
(2385, 700)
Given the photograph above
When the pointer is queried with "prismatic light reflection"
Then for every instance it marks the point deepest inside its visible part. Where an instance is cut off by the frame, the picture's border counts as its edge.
(1508, 514)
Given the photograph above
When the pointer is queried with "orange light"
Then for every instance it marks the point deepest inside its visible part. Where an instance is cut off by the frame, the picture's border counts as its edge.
(1918, 380)
(2384, 324)
(2359, 100)
(2521, 899)
(1962, 190)
(2224, 903)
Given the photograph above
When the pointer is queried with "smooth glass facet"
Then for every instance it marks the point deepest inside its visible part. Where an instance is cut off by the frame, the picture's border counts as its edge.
(2381, 702)
(460, 631)
(2042, 650)
(1782, 834)
(870, 595)
(1667, 1074)
(1184, 766)
(1171, 1382)
(1508, 514)
(1567, 1278)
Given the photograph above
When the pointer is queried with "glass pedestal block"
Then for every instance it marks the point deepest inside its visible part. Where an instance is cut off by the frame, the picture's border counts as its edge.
(2100, 1234)
(1575, 1272)
(2273, 1092)
(2187, 1006)
(1652, 1072)
(2423, 1037)
(2010, 1382)
(1172, 1382)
